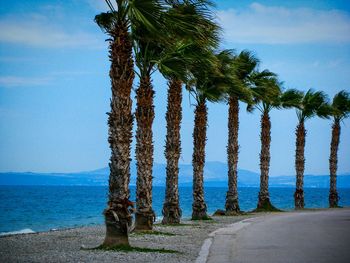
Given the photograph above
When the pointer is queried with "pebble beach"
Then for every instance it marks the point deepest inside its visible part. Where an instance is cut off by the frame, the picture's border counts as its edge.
(75, 245)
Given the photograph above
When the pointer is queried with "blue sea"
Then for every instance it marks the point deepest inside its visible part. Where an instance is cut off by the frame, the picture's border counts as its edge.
(42, 208)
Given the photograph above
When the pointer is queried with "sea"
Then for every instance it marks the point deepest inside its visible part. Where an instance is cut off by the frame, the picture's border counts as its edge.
(27, 209)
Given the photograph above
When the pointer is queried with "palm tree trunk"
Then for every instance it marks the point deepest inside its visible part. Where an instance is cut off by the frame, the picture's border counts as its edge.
(171, 208)
(265, 137)
(144, 155)
(232, 205)
(300, 165)
(199, 208)
(333, 161)
(118, 217)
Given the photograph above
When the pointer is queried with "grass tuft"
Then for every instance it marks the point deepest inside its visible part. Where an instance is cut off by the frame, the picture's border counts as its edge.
(204, 218)
(177, 225)
(220, 212)
(267, 207)
(128, 248)
(153, 232)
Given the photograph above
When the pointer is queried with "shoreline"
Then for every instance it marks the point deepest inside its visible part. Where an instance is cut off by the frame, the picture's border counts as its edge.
(25, 231)
(75, 244)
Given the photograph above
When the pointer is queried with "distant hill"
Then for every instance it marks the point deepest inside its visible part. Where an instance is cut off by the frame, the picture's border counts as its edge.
(215, 174)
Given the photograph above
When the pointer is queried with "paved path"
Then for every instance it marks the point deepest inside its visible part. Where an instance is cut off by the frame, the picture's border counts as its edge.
(321, 236)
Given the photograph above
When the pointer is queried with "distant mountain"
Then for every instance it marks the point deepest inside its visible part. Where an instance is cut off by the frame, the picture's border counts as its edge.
(215, 174)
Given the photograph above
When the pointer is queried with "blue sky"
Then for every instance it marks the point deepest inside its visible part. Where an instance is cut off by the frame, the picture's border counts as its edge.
(54, 84)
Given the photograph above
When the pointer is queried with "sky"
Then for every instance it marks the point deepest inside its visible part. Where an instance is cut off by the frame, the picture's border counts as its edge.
(55, 88)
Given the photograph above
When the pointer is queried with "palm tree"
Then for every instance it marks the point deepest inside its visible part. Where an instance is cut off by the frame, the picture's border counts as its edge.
(173, 65)
(154, 50)
(147, 46)
(339, 110)
(186, 56)
(208, 84)
(192, 24)
(171, 208)
(243, 65)
(117, 23)
(310, 104)
(267, 95)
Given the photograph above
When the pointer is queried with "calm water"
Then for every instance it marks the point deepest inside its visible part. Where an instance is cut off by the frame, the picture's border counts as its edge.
(42, 208)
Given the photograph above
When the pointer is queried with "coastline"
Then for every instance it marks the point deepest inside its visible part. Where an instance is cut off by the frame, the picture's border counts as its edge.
(76, 244)
(72, 245)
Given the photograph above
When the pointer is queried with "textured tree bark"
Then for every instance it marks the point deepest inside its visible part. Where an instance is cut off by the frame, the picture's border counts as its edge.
(171, 208)
(118, 217)
(232, 206)
(333, 162)
(265, 137)
(199, 208)
(144, 155)
(299, 165)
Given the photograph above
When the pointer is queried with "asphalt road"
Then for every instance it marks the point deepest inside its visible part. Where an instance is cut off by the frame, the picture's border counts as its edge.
(314, 236)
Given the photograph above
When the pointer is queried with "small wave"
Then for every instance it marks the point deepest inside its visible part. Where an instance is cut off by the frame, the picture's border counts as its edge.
(22, 231)
(159, 219)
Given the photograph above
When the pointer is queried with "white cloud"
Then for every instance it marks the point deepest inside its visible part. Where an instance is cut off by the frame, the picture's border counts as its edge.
(279, 25)
(39, 31)
(15, 81)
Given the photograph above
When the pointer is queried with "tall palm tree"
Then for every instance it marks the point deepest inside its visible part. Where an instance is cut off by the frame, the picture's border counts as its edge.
(192, 24)
(208, 84)
(174, 67)
(154, 50)
(187, 56)
(171, 207)
(267, 94)
(147, 47)
(117, 24)
(243, 66)
(339, 110)
(312, 103)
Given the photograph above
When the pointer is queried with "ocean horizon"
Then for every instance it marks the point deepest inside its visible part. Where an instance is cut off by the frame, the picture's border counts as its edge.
(26, 209)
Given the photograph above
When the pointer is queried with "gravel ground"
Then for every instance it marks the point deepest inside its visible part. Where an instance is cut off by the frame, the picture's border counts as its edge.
(65, 245)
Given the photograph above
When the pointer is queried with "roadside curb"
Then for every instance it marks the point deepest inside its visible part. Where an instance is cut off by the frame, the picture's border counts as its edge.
(229, 230)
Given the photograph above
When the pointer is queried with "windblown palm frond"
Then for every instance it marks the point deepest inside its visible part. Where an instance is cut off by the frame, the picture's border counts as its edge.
(292, 98)
(313, 103)
(106, 21)
(193, 21)
(146, 13)
(209, 81)
(267, 91)
(173, 47)
(175, 60)
(133, 12)
(341, 105)
(244, 71)
(244, 64)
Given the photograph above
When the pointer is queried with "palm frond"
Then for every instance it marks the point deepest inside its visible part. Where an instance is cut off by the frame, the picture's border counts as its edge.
(146, 13)
(106, 21)
(266, 90)
(341, 105)
(245, 63)
(243, 70)
(292, 98)
(311, 103)
(324, 111)
(193, 21)
(208, 79)
(174, 61)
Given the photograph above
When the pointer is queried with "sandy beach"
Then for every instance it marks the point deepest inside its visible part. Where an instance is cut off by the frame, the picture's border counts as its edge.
(66, 245)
